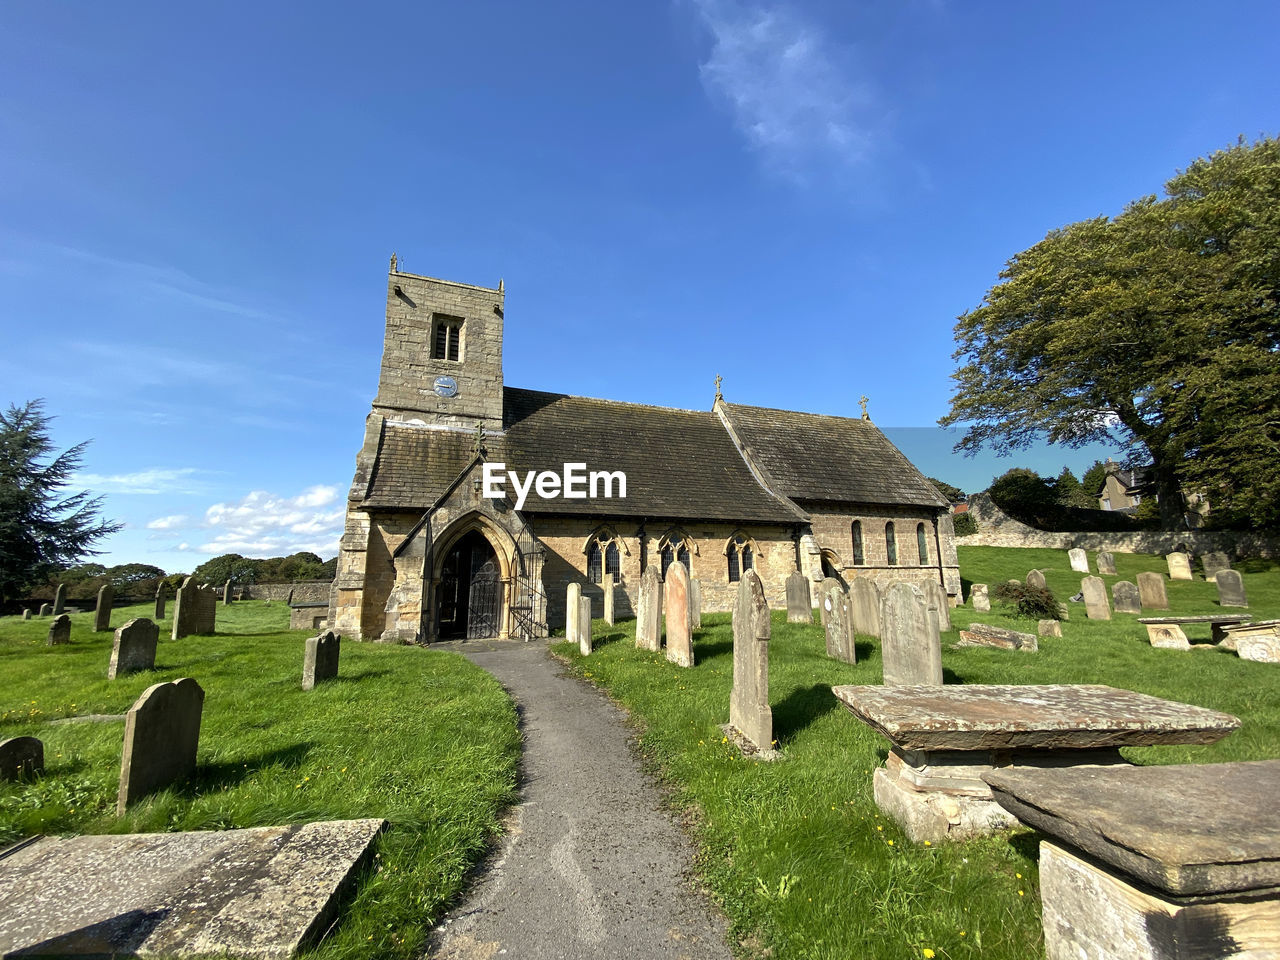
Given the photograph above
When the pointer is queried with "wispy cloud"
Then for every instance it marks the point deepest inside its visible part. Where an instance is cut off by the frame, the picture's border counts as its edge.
(789, 92)
(152, 481)
(174, 522)
(264, 524)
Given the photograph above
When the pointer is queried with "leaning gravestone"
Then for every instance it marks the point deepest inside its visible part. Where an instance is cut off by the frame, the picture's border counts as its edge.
(980, 599)
(320, 661)
(1179, 566)
(1096, 606)
(45, 610)
(226, 594)
(799, 603)
(59, 599)
(1106, 562)
(1035, 579)
(161, 732)
(1049, 628)
(649, 611)
(195, 610)
(695, 603)
(1079, 560)
(1002, 638)
(610, 598)
(160, 602)
(1126, 596)
(936, 597)
(1213, 562)
(20, 757)
(864, 606)
(911, 651)
(749, 711)
(676, 609)
(134, 648)
(1231, 589)
(102, 615)
(838, 624)
(60, 630)
(584, 626)
(572, 608)
(1151, 591)
(26, 613)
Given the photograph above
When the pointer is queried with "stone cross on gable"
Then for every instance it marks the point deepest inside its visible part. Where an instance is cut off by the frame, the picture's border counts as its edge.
(863, 403)
(394, 263)
(477, 448)
(719, 380)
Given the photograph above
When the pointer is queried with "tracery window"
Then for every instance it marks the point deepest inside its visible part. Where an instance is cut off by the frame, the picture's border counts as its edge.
(739, 557)
(603, 558)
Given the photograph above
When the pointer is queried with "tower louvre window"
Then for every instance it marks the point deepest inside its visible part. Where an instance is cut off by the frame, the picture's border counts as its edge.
(446, 344)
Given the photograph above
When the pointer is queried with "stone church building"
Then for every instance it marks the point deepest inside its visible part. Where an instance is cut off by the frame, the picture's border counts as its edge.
(425, 555)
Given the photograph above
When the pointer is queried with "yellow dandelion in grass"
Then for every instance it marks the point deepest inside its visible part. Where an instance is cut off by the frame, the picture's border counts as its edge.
(1021, 894)
(879, 828)
(962, 933)
(928, 843)
(928, 954)
(891, 843)
(1018, 875)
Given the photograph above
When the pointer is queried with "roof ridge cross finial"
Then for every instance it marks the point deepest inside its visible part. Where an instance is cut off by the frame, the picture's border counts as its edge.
(719, 380)
(863, 402)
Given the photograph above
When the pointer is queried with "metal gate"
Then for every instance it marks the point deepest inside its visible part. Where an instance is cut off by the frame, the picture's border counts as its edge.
(529, 600)
(484, 603)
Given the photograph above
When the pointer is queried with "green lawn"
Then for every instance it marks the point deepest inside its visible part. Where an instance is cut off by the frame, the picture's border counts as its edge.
(795, 850)
(424, 739)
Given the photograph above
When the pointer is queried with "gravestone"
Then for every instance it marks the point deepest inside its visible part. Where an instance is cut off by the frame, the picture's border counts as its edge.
(1168, 636)
(980, 599)
(1079, 560)
(1213, 562)
(799, 602)
(838, 620)
(649, 611)
(1002, 638)
(695, 603)
(226, 594)
(134, 648)
(610, 598)
(102, 615)
(161, 732)
(20, 757)
(195, 610)
(26, 613)
(936, 596)
(160, 602)
(820, 594)
(911, 651)
(749, 711)
(676, 609)
(1151, 591)
(1049, 628)
(572, 609)
(1035, 579)
(1231, 589)
(1096, 606)
(864, 606)
(1106, 563)
(1179, 566)
(584, 626)
(59, 599)
(1126, 596)
(320, 661)
(45, 610)
(60, 630)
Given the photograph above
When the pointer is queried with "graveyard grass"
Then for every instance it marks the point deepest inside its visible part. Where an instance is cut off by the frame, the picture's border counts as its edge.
(421, 738)
(795, 851)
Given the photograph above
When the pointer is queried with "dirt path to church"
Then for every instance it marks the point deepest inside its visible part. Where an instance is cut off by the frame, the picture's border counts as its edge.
(592, 867)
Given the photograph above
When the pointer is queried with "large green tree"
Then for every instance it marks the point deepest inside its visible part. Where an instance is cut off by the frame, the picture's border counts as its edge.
(1158, 329)
(41, 529)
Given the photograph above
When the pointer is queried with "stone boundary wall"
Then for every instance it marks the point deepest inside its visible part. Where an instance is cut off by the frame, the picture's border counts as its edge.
(998, 529)
(304, 591)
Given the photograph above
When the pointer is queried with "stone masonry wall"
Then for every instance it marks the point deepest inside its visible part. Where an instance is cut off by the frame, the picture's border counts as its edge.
(304, 591)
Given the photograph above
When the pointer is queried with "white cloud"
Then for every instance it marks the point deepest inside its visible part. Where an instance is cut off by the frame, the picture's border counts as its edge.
(264, 524)
(788, 92)
(168, 523)
(151, 481)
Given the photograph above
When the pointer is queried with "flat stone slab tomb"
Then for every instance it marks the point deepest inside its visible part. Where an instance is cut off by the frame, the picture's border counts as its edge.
(1167, 631)
(1166, 862)
(945, 739)
(262, 892)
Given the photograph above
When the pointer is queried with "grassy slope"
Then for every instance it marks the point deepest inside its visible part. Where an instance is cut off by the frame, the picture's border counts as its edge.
(424, 739)
(796, 851)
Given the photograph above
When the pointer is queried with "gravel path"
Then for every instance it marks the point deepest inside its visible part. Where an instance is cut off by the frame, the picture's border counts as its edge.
(592, 865)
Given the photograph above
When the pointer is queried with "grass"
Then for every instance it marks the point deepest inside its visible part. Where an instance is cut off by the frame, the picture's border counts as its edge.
(424, 739)
(796, 852)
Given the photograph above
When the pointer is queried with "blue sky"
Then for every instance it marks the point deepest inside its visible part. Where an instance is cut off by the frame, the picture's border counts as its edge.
(198, 205)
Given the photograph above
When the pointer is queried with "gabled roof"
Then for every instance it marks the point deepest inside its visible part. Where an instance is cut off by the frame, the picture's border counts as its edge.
(808, 456)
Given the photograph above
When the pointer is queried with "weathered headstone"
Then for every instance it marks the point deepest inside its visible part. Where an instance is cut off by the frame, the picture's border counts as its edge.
(1096, 606)
(838, 621)
(226, 594)
(1231, 589)
(675, 592)
(60, 630)
(1106, 562)
(572, 610)
(980, 599)
(1179, 566)
(320, 661)
(1151, 591)
(161, 733)
(584, 626)
(864, 606)
(1213, 562)
(20, 757)
(985, 635)
(102, 615)
(45, 610)
(1035, 579)
(649, 611)
(1079, 560)
(911, 651)
(1261, 647)
(1126, 596)
(820, 595)
(134, 648)
(195, 610)
(160, 602)
(1049, 628)
(610, 599)
(1169, 636)
(799, 601)
(749, 711)
(695, 603)
(936, 596)
(59, 599)
(26, 613)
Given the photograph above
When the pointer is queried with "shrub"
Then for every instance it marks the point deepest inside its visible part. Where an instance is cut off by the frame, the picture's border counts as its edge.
(964, 524)
(1034, 603)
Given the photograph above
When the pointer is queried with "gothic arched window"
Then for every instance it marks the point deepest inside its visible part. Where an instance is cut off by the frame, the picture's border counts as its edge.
(891, 544)
(923, 544)
(603, 557)
(739, 556)
(859, 555)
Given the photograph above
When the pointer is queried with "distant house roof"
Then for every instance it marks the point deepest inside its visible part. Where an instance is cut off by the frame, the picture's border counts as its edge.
(960, 508)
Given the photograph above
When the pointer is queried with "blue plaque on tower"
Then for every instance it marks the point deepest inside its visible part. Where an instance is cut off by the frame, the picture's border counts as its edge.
(446, 387)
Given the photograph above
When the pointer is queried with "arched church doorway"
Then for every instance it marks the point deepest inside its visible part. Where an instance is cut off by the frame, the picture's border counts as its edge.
(829, 568)
(470, 597)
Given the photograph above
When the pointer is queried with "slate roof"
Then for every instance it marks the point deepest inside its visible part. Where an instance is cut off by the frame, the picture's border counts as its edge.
(808, 456)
